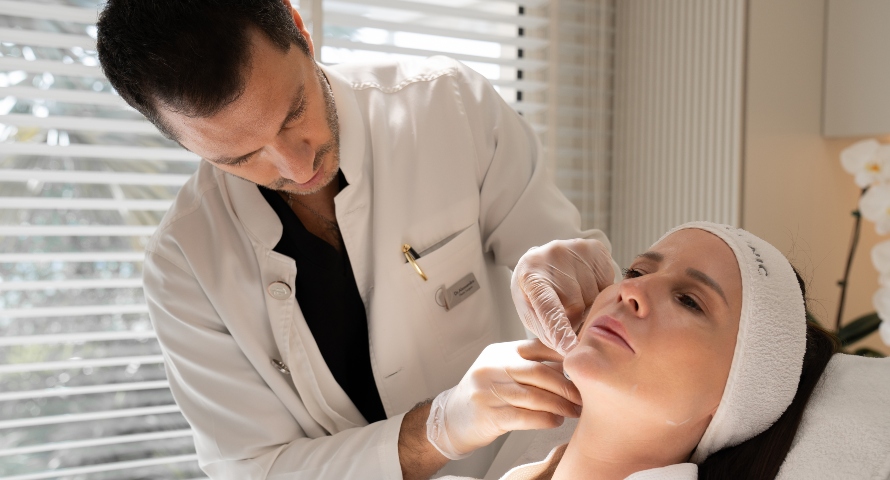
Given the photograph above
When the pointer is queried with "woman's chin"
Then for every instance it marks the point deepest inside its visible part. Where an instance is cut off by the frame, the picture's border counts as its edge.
(598, 375)
(590, 362)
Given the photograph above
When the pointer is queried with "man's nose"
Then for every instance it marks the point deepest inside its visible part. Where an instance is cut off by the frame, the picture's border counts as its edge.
(295, 161)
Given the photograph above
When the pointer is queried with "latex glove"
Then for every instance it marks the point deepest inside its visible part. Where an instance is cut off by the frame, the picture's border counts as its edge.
(553, 286)
(507, 388)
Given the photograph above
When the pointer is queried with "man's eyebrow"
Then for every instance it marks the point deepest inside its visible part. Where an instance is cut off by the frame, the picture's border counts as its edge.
(297, 106)
(654, 256)
(701, 277)
(234, 160)
(295, 110)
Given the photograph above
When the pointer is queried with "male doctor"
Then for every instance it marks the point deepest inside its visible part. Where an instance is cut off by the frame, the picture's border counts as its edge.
(342, 252)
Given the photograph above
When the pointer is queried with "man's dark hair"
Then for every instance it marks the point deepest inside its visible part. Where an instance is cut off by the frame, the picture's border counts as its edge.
(188, 56)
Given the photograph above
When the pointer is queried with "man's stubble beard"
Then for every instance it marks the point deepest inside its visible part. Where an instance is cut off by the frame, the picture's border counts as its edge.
(331, 147)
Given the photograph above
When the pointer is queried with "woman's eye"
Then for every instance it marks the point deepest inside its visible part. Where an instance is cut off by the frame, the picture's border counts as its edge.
(631, 273)
(689, 303)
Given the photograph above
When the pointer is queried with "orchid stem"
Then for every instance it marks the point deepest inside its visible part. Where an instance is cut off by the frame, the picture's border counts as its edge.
(857, 227)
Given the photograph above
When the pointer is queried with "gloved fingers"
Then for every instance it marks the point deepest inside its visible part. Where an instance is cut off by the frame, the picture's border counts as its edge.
(541, 377)
(512, 419)
(595, 255)
(550, 316)
(567, 342)
(560, 337)
(529, 320)
(531, 398)
(592, 272)
(540, 293)
(578, 269)
(536, 351)
(575, 294)
(508, 387)
(555, 366)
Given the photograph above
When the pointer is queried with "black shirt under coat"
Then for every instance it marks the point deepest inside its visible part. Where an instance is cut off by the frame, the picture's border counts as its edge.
(327, 294)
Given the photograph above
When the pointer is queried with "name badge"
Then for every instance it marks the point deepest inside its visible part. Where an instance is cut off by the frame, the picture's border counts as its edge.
(450, 297)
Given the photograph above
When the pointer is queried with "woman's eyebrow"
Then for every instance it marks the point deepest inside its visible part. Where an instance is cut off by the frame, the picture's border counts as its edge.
(701, 277)
(654, 256)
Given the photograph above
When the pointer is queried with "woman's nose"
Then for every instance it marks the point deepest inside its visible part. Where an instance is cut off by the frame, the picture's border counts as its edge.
(295, 161)
(632, 293)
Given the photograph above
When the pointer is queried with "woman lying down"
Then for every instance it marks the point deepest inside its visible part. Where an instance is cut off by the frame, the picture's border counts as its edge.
(697, 365)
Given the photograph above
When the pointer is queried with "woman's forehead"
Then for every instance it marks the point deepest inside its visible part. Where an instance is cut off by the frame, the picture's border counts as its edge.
(693, 248)
(692, 241)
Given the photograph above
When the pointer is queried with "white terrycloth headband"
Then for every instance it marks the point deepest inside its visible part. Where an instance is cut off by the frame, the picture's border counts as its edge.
(770, 346)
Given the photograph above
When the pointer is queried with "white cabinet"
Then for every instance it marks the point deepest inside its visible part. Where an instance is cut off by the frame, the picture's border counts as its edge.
(857, 68)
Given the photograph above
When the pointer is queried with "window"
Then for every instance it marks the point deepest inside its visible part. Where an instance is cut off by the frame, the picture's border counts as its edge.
(84, 180)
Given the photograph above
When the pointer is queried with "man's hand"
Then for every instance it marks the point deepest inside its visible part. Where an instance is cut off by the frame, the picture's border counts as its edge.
(554, 285)
(506, 389)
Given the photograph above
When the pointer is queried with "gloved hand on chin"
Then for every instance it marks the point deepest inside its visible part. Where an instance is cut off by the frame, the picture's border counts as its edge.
(554, 285)
(507, 388)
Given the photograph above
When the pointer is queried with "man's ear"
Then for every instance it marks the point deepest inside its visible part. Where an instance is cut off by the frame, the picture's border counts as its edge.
(301, 26)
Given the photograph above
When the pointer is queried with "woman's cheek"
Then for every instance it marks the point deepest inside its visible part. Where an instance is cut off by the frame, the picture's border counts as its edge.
(697, 365)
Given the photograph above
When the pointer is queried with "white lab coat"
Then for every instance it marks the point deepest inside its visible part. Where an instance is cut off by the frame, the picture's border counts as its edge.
(431, 153)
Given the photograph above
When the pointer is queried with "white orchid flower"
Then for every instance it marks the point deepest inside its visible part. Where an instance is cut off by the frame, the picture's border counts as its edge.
(868, 161)
(884, 279)
(875, 207)
(881, 301)
(884, 329)
(880, 256)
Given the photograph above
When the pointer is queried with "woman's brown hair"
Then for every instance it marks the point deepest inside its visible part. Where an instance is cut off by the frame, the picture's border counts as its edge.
(760, 458)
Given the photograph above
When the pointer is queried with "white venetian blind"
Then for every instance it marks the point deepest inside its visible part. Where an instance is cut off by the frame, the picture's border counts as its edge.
(551, 60)
(84, 180)
(501, 40)
(579, 104)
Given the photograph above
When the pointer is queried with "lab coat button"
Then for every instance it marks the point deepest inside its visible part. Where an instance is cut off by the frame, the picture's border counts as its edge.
(279, 290)
(281, 366)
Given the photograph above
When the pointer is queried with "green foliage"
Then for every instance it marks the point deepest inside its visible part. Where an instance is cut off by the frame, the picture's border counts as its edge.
(859, 329)
(812, 319)
(867, 352)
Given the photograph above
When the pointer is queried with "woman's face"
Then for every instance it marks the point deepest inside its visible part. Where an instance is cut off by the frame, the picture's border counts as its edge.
(661, 341)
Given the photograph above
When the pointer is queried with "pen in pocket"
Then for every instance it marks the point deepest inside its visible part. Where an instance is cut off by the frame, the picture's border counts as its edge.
(411, 255)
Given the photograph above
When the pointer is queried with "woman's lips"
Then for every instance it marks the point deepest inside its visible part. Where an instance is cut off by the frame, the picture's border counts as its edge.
(611, 329)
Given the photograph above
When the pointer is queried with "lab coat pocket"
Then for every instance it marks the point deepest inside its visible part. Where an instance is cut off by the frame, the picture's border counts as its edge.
(456, 269)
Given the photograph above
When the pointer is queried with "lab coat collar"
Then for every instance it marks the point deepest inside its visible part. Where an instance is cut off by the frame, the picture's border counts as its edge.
(352, 126)
(248, 203)
(256, 215)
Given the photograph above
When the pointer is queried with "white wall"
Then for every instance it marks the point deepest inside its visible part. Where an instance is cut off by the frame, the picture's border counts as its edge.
(796, 195)
(718, 114)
